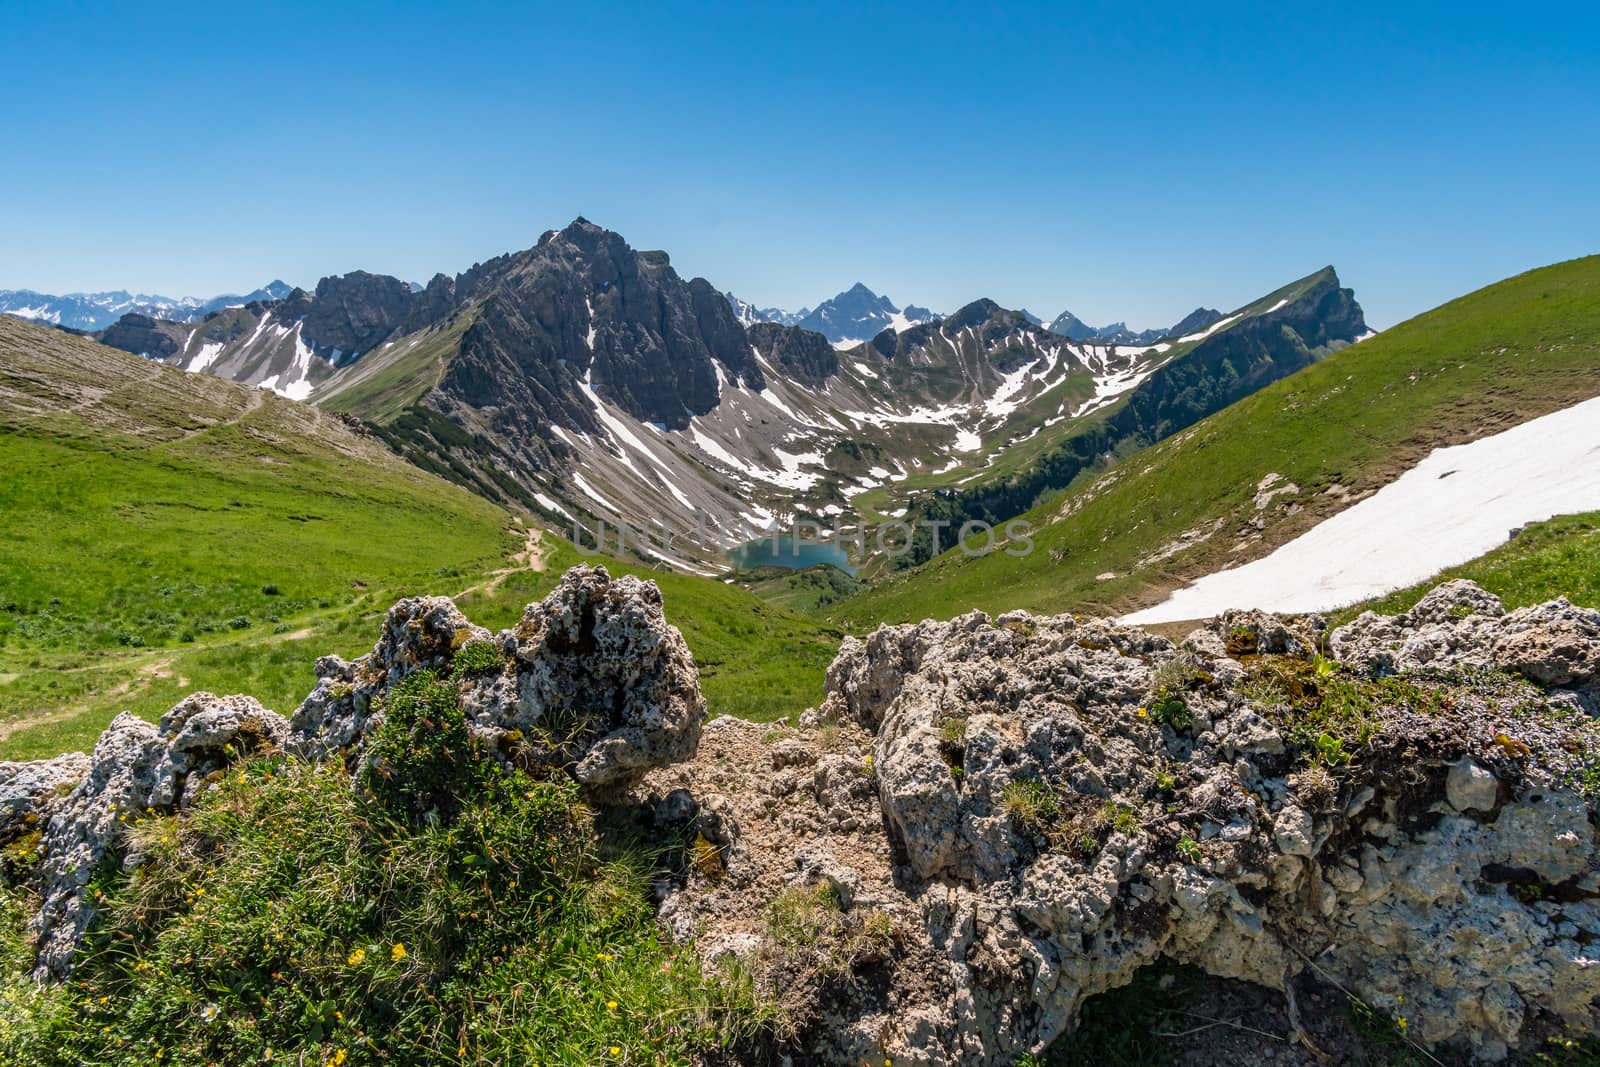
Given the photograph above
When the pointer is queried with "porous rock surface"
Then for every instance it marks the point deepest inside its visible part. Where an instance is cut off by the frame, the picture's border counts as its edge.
(1555, 644)
(593, 674)
(135, 768)
(1448, 859)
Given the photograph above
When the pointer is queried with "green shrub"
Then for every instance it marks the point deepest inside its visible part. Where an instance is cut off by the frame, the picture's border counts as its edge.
(422, 758)
(1172, 711)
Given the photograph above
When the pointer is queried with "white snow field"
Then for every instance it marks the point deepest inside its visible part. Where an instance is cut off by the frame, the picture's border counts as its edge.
(1454, 506)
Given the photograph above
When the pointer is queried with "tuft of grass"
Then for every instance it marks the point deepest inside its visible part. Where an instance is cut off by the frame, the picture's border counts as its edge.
(811, 938)
(1032, 805)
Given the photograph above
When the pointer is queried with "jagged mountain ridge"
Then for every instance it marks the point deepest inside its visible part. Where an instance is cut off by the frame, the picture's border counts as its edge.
(94, 311)
(583, 378)
(1188, 377)
(1069, 325)
(853, 316)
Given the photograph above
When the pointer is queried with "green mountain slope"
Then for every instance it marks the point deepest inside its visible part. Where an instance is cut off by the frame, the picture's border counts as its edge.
(1335, 431)
(143, 504)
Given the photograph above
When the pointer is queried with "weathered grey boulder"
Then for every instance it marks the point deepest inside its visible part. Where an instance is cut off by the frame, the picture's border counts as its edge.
(1022, 800)
(1555, 644)
(593, 677)
(598, 653)
(29, 794)
(29, 789)
(136, 768)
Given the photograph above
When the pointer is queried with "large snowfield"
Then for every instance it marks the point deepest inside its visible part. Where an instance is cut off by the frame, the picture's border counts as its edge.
(1454, 506)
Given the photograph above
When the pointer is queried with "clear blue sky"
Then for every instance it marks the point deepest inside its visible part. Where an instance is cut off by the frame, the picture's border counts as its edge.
(1125, 162)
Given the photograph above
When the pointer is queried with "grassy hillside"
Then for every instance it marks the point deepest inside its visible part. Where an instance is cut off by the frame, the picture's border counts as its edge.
(170, 532)
(1337, 430)
(145, 506)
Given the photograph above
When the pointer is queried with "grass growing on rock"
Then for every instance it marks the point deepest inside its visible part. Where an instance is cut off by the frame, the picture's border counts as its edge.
(439, 908)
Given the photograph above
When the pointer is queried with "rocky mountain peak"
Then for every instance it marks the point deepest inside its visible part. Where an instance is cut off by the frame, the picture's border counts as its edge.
(858, 314)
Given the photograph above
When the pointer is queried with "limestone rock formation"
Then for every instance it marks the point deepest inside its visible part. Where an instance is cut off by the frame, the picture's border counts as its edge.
(990, 820)
(136, 767)
(1039, 807)
(592, 677)
(1554, 644)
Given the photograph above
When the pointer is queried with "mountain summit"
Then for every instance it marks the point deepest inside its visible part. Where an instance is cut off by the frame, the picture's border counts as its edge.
(858, 314)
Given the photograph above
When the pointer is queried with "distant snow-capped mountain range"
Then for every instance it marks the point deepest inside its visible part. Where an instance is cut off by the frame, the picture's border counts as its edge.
(857, 315)
(852, 317)
(95, 311)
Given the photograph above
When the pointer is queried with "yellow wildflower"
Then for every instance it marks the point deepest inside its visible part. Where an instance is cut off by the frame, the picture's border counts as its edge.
(615, 1050)
(397, 953)
(611, 1005)
(355, 958)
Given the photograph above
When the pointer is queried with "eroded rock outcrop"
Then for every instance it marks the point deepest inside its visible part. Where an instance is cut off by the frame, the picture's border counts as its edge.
(1554, 644)
(135, 768)
(990, 820)
(1041, 806)
(592, 679)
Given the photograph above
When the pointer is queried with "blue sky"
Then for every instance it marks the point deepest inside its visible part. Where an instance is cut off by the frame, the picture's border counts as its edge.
(1127, 162)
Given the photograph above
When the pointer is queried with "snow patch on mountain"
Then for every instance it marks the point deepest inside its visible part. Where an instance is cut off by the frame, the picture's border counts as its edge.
(1454, 506)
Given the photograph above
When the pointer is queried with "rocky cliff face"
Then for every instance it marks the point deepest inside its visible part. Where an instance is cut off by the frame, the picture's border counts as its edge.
(583, 310)
(351, 314)
(801, 355)
(989, 820)
(145, 336)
